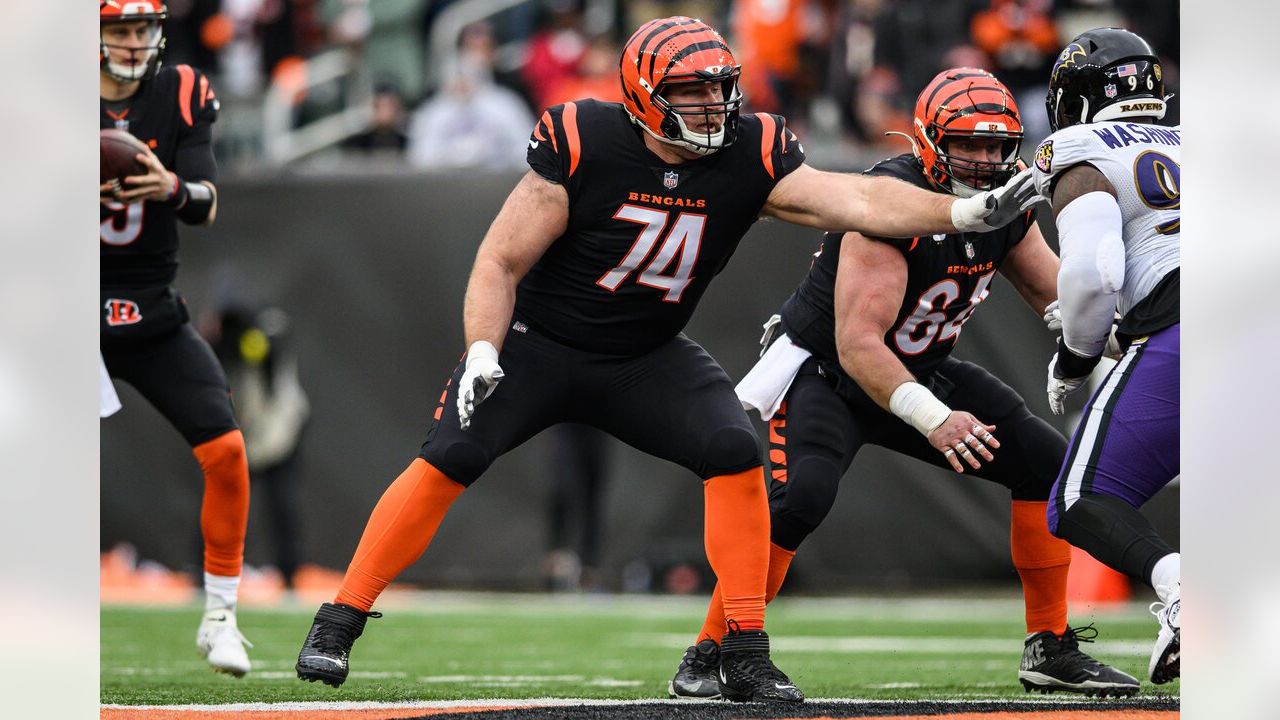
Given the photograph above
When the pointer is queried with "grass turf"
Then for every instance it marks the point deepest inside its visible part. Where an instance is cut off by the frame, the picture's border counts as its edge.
(442, 646)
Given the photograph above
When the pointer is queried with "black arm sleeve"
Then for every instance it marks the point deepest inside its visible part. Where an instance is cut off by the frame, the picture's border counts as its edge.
(193, 158)
(194, 165)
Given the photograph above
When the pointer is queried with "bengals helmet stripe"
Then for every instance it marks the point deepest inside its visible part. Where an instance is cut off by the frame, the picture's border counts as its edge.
(679, 50)
(662, 26)
(696, 47)
(960, 103)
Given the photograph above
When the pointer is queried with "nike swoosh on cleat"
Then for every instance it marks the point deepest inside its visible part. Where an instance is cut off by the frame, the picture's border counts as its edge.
(784, 687)
(322, 657)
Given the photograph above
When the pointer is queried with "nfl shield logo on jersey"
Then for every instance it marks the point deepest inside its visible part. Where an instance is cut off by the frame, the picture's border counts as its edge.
(1110, 90)
(670, 179)
(968, 250)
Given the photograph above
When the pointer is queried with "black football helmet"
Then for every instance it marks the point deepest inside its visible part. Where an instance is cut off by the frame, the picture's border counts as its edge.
(1105, 74)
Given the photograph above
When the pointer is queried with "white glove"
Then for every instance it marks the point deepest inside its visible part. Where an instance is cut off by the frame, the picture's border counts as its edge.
(1060, 387)
(1053, 321)
(772, 327)
(479, 379)
(996, 208)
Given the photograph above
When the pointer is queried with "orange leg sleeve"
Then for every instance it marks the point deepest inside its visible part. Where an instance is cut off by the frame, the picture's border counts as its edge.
(399, 531)
(737, 540)
(224, 510)
(1043, 562)
(714, 627)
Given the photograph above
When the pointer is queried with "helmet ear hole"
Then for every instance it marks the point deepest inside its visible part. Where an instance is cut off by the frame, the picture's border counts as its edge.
(670, 126)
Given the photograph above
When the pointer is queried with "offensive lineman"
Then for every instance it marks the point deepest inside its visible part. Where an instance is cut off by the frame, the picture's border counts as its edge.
(584, 282)
(868, 336)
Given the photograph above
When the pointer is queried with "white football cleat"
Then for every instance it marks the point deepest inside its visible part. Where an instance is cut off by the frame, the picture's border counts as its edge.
(219, 641)
(1166, 656)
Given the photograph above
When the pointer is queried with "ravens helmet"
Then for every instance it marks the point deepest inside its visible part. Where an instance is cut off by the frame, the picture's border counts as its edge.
(1105, 74)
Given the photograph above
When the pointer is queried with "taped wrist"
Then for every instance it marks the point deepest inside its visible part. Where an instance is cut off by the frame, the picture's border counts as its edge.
(192, 202)
(918, 407)
(970, 214)
(481, 349)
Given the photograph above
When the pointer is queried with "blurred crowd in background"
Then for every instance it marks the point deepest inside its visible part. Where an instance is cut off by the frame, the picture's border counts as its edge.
(437, 84)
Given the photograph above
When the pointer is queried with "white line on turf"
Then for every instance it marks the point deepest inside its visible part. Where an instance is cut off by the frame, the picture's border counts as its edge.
(900, 644)
(546, 702)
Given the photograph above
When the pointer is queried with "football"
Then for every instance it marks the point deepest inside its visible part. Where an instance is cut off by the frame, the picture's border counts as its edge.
(119, 151)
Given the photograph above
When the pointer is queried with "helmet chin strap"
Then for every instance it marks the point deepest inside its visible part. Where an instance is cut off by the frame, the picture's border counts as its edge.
(963, 190)
(714, 141)
(716, 138)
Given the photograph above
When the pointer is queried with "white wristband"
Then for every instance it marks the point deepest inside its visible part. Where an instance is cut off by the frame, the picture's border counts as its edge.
(481, 349)
(968, 214)
(918, 407)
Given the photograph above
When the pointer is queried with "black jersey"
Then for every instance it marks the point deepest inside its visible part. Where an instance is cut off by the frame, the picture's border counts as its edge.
(947, 276)
(172, 112)
(644, 237)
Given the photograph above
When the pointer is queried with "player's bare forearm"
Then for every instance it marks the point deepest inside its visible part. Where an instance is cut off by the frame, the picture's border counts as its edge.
(535, 214)
(874, 366)
(880, 206)
(870, 283)
(1032, 268)
(490, 299)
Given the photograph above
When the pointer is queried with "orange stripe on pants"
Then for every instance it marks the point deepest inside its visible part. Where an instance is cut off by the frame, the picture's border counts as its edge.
(224, 511)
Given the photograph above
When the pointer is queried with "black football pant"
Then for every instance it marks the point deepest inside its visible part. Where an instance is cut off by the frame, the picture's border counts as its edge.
(821, 427)
(673, 402)
(180, 376)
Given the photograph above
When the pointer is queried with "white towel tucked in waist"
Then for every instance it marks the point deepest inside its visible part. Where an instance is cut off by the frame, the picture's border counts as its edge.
(764, 388)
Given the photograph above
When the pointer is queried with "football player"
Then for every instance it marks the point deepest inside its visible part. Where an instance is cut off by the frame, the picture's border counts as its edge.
(146, 339)
(864, 356)
(1113, 175)
(576, 303)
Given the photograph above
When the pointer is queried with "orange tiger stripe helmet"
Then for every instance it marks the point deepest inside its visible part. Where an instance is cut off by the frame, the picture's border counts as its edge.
(153, 12)
(966, 102)
(673, 51)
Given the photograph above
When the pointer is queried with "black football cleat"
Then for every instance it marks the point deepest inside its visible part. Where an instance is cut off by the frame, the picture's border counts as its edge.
(699, 673)
(1051, 663)
(748, 675)
(324, 653)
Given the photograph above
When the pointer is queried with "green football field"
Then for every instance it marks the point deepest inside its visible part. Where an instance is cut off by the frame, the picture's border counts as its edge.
(449, 646)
